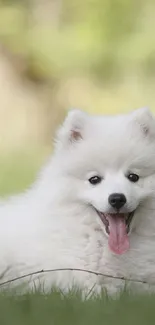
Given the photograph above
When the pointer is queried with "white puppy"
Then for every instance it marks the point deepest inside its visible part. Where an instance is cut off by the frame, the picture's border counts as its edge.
(92, 207)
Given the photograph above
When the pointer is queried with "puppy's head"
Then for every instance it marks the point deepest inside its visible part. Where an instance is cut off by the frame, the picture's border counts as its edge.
(108, 163)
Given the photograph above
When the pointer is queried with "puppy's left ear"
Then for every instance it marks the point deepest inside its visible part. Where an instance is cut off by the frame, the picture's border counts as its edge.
(73, 127)
(145, 120)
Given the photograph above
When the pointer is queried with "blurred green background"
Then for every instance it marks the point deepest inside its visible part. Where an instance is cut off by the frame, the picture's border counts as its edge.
(98, 55)
(55, 54)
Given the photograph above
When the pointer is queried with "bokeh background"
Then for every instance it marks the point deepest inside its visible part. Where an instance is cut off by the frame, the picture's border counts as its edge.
(98, 55)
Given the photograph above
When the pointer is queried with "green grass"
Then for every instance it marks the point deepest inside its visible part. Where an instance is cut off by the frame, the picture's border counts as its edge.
(38, 309)
(17, 171)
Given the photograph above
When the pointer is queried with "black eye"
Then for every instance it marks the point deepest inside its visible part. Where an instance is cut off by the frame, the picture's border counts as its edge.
(95, 180)
(133, 178)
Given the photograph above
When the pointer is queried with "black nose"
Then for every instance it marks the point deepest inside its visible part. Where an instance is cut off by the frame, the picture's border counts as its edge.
(117, 200)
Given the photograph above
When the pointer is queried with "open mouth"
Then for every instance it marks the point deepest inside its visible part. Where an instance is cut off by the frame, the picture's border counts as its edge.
(127, 219)
(117, 226)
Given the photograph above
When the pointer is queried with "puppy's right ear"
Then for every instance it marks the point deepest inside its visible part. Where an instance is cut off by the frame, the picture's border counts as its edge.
(72, 129)
(144, 119)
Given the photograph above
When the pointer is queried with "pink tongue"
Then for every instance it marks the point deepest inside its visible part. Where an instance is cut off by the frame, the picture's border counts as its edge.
(118, 238)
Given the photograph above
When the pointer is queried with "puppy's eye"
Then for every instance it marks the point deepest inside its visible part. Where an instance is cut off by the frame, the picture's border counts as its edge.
(133, 178)
(95, 180)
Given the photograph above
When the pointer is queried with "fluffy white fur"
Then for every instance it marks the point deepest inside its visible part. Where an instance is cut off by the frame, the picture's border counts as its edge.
(53, 224)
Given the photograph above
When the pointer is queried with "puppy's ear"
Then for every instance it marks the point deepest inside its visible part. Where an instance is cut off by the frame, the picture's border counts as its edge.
(73, 127)
(145, 120)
